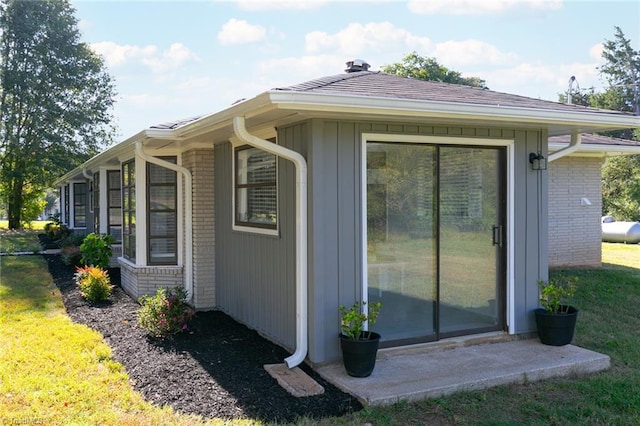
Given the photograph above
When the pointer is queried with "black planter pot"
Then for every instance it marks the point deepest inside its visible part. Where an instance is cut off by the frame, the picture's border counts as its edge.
(556, 329)
(359, 356)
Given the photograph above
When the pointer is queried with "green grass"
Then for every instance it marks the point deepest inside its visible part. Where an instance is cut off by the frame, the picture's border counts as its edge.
(17, 241)
(36, 225)
(608, 322)
(55, 372)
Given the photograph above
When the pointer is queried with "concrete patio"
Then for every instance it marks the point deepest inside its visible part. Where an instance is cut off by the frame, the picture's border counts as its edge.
(471, 363)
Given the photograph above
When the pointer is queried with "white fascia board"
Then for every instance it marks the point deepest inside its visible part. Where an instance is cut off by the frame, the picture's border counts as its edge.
(603, 150)
(439, 109)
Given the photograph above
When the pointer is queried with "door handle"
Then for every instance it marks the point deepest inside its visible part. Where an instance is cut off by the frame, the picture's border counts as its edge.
(497, 235)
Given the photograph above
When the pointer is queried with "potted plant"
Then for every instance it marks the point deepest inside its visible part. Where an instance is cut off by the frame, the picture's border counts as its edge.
(556, 320)
(359, 346)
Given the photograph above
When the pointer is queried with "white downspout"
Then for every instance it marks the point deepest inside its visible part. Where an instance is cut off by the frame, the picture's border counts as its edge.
(89, 176)
(188, 265)
(301, 232)
(576, 140)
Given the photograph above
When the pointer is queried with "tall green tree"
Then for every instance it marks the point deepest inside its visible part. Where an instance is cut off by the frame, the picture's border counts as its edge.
(55, 99)
(620, 175)
(424, 68)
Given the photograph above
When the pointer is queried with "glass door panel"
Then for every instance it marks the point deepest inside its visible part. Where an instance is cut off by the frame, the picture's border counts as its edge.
(435, 237)
(470, 236)
(401, 238)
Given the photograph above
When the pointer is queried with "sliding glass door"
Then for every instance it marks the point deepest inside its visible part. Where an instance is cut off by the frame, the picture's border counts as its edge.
(435, 239)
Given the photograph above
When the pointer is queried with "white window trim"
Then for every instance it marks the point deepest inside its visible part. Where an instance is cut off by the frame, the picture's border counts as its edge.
(448, 140)
(237, 143)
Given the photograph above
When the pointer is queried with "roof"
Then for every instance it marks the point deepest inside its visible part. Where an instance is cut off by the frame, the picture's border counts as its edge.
(593, 144)
(377, 84)
(372, 96)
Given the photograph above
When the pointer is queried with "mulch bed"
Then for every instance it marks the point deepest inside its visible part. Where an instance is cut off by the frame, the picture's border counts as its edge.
(215, 371)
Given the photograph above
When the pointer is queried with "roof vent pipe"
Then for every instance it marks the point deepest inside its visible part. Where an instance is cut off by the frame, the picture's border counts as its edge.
(357, 65)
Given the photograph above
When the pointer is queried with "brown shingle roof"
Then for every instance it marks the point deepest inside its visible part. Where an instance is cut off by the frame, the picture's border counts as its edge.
(591, 139)
(380, 85)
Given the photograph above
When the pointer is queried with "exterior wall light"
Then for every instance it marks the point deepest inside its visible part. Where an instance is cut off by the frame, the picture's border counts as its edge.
(538, 162)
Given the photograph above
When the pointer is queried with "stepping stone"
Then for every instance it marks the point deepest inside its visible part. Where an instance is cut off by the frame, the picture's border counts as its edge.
(294, 380)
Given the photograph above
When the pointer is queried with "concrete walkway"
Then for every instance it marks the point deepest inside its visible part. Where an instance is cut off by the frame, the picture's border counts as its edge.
(429, 371)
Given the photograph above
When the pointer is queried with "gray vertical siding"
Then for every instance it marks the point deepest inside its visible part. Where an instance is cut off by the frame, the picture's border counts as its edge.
(255, 275)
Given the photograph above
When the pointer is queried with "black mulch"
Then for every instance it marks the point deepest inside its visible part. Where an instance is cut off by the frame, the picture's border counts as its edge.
(217, 371)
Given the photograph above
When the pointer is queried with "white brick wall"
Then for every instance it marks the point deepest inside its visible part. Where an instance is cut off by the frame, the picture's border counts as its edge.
(200, 163)
(139, 280)
(574, 230)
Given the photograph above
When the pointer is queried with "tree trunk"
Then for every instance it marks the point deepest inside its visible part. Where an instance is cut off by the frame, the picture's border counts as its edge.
(14, 205)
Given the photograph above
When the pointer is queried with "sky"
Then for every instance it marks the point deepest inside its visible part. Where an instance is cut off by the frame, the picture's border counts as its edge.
(177, 59)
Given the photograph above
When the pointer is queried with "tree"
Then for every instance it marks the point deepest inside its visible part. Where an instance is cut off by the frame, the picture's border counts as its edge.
(620, 175)
(423, 68)
(55, 99)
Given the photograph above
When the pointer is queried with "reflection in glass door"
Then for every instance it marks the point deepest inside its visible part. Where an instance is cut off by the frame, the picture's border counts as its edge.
(435, 218)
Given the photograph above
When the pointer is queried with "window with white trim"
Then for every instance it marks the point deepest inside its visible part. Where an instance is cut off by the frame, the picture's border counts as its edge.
(256, 195)
(79, 205)
(162, 236)
(114, 205)
(129, 210)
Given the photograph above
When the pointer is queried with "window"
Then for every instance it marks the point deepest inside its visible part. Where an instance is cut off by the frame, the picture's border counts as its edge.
(79, 205)
(96, 202)
(114, 205)
(256, 195)
(162, 208)
(129, 210)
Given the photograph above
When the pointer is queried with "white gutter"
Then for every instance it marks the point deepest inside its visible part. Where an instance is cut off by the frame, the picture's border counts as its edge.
(188, 265)
(574, 145)
(86, 174)
(301, 232)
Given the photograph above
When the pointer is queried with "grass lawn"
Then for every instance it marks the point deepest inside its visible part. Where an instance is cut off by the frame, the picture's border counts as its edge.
(53, 371)
(17, 241)
(36, 225)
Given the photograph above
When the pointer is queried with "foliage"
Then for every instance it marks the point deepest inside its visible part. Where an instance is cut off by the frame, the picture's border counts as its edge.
(166, 313)
(622, 71)
(12, 241)
(56, 230)
(55, 99)
(96, 250)
(70, 249)
(424, 68)
(555, 294)
(94, 283)
(621, 188)
(352, 320)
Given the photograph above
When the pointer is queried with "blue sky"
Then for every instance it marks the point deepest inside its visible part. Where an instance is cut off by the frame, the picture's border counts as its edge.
(178, 59)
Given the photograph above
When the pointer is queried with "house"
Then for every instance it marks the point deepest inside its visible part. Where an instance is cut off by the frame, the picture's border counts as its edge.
(426, 196)
(575, 198)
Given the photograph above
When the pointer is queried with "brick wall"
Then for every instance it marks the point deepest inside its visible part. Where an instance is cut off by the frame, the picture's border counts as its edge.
(139, 280)
(574, 230)
(200, 163)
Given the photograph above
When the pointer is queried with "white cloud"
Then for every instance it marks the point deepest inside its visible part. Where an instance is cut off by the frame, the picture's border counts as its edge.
(240, 32)
(293, 70)
(173, 58)
(118, 54)
(468, 52)
(476, 7)
(596, 52)
(262, 5)
(357, 39)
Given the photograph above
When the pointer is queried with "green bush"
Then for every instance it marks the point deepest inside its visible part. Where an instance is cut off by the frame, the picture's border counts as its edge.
(95, 285)
(96, 250)
(70, 252)
(166, 313)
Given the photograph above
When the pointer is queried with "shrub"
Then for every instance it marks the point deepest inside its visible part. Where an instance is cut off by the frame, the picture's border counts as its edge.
(166, 313)
(96, 250)
(70, 250)
(95, 285)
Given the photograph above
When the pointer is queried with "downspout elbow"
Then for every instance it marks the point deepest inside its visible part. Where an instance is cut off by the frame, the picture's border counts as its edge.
(574, 145)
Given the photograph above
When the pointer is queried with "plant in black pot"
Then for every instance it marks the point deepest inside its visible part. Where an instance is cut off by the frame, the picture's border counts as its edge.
(359, 346)
(556, 320)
